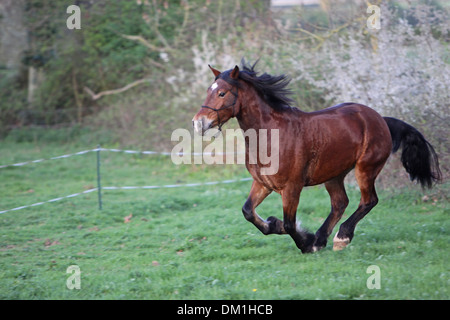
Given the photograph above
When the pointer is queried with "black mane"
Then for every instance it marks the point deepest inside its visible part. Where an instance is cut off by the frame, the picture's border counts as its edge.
(273, 89)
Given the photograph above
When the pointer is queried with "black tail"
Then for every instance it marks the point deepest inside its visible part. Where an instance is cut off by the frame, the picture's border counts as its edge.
(418, 155)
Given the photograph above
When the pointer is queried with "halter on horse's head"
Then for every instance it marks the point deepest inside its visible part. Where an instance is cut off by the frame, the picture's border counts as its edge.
(222, 97)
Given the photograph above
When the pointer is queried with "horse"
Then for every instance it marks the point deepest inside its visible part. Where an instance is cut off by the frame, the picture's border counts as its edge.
(319, 147)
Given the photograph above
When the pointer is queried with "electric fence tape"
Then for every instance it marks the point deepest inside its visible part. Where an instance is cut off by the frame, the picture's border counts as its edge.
(118, 188)
(116, 150)
(129, 188)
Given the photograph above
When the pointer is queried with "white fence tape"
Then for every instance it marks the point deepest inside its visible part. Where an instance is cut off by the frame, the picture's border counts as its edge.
(136, 151)
(119, 188)
(178, 185)
(170, 153)
(116, 150)
(42, 160)
(129, 188)
(50, 201)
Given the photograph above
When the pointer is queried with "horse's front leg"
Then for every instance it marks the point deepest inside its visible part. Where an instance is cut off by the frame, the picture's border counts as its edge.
(258, 193)
(303, 239)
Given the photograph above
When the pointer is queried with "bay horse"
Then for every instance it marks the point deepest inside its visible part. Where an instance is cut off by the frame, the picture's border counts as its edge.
(319, 147)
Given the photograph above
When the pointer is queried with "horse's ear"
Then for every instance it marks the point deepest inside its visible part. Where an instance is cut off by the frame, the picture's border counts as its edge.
(235, 73)
(216, 72)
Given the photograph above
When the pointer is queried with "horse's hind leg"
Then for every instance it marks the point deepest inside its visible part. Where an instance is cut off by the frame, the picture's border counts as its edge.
(339, 202)
(366, 181)
(257, 194)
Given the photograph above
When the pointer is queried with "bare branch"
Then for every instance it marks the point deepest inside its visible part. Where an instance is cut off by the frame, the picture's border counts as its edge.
(143, 41)
(96, 96)
(330, 32)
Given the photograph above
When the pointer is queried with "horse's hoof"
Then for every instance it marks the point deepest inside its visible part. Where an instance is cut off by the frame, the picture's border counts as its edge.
(310, 239)
(317, 248)
(275, 225)
(320, 243)
(340, 243)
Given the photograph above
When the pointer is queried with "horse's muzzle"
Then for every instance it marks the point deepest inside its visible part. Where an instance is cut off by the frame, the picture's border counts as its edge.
(201, 125)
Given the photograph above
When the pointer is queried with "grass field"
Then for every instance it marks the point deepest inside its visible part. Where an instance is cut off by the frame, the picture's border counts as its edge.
(194, 243)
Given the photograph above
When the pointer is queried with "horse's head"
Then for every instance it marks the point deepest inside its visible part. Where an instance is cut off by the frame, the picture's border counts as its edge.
(221, 103)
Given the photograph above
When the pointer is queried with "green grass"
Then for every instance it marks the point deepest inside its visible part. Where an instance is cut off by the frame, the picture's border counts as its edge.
(194, 243)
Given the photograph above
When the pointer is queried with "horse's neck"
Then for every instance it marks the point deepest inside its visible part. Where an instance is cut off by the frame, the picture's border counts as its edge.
(254, 113)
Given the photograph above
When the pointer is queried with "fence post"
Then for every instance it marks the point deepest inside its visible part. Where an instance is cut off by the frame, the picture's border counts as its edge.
(99, 185)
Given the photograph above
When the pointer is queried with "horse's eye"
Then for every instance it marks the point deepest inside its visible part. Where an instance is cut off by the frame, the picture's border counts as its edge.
(221, 94)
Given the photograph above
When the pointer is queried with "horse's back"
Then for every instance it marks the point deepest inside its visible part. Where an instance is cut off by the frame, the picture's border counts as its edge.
(342, 135)
(355, 114)
(347, 109)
